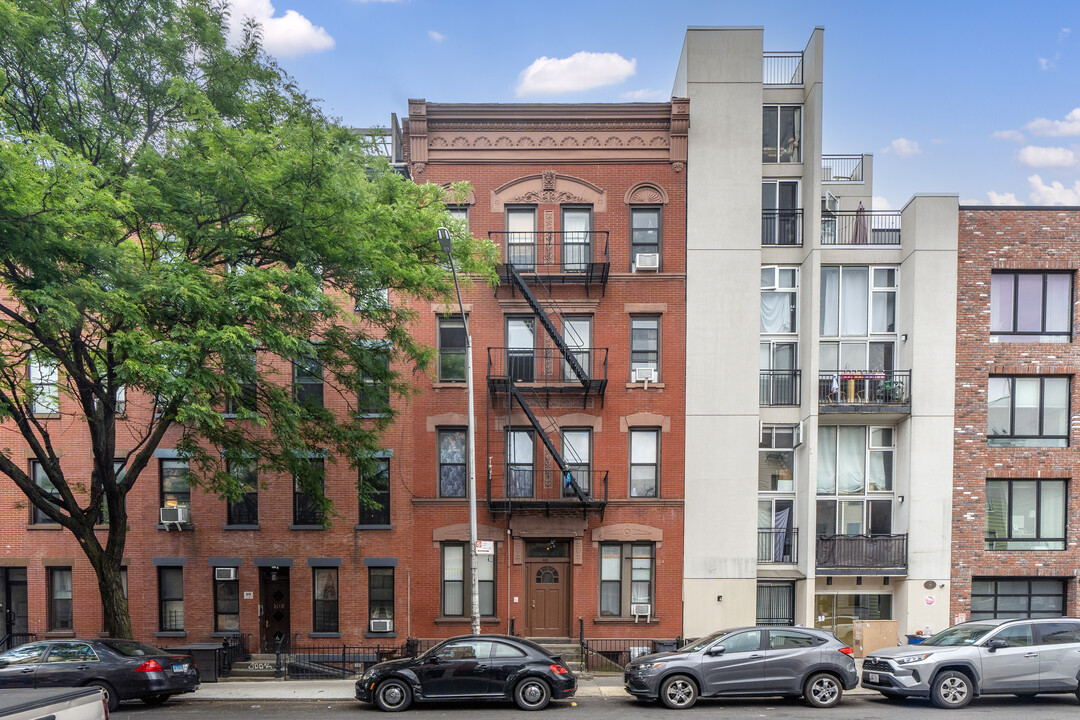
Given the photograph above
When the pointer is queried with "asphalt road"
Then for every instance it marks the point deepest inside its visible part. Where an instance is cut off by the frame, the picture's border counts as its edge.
(1048, 707)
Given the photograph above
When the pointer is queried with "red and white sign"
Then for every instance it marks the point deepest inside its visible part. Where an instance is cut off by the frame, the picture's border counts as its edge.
(485, 547)
(929, 599)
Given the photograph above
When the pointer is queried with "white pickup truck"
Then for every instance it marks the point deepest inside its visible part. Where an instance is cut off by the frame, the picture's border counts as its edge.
(84, 703)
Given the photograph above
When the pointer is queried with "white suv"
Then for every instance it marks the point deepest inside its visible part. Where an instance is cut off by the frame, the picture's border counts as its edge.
(1021, 657)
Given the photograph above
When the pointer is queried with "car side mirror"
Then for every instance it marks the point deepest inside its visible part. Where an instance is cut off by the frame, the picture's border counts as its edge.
(434, 660)
(715, 650)
(997, 644)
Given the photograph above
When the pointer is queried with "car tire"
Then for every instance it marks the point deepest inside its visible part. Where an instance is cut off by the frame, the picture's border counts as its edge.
(823, 690)
(678, 692)
(532, 693)
(951, 690)
(111, 698)
(153, 700)
(393, 695)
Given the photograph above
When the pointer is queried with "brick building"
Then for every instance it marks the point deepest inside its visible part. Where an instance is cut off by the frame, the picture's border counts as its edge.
(1013, 549)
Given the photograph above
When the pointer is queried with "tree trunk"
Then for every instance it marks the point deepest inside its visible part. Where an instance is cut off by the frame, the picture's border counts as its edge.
(114, 604)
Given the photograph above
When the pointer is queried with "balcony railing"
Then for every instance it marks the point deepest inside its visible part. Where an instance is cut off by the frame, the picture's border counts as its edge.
(862, 553)
(546, 369)
(782, 227)
(864, 390)
(782, 68)
(581, 254)
(861, 227)
(779, 545)
(511, 486)
(841, 168)
(779, 387)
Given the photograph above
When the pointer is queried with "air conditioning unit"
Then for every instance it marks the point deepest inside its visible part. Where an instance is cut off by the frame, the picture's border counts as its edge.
(641, 609)
(228, 573)
(176, 515)
(646, 261)
(645, 374)
(382, 626)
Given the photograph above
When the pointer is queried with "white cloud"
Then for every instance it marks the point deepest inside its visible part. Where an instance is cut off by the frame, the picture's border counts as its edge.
(646, 95)
(1056, 128)
(880, 203)
(1034, 156)
(436, 36)
(1053, 194)
(581, 71)
(287, 35)
(1002, 198)
(902, 147)
(1045, 64)
(1014, 135)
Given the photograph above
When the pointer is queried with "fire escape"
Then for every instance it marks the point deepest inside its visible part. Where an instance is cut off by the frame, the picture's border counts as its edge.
(539, 371)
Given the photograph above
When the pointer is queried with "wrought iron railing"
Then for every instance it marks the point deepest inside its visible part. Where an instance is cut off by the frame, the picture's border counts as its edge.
(782, 68)
(862, 552)
(524, 485)
(611, 655)
(861, 227)
(316, 662)
(782, 227)
(553, 252)
(779, 387)
(777, 545)
(547, 366)
(16, 639)
(841, 168)
(864, 388)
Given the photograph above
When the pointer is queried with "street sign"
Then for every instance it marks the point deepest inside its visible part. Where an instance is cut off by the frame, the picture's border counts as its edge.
(485, 547)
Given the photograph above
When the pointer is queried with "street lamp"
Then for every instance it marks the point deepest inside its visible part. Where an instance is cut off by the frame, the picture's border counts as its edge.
(446, 243)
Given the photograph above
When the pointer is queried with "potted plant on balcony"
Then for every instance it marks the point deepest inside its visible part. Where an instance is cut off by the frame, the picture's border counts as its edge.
(890, 391)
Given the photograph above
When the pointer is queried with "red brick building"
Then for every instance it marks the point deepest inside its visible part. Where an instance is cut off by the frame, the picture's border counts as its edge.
(1014, 550)
(590, 358)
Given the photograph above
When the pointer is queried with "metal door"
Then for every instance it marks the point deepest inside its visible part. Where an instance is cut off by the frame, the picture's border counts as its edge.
(13, 604)
(1058, 644)
(67, 664)
(457, 669)
(739, 669)
(1014, 668)
(274, 620)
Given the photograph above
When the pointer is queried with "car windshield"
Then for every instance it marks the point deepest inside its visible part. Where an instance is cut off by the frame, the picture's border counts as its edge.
(131, 648)
(966, 634)
(702, 643)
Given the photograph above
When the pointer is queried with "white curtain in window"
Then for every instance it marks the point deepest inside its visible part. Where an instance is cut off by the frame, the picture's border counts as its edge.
(830, 301)
(851, 460)
(1001, 302)
(776, 312)
(855, 283)
(1058, 302)
(826, 468)
(1052, 518)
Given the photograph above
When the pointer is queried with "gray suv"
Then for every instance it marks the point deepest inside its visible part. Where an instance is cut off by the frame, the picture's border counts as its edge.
(790, 661)
(982, 657)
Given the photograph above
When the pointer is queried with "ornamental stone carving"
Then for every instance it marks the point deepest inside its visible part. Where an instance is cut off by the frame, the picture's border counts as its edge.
(591, 141)
(504, 142)
(548, 141)
(569, 141)
(646, 193)
(549, 188)
(548, 179)
(419, 168)
(677, 167)
(635, 141)
(627, 532)
(613, 141)
(438, 142)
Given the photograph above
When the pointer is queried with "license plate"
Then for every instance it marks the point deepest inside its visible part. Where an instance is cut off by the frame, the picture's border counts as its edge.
(873, 677)
(179, 668)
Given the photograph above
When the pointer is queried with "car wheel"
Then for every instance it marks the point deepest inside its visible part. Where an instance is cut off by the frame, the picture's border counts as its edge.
(823, 690)
(111, 698)
(156, 699)
(951, 689)
(532, 694)
(678, 692)
(393, 695)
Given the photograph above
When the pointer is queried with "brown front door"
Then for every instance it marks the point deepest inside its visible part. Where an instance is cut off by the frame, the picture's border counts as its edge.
(547, 579)
(274, 606)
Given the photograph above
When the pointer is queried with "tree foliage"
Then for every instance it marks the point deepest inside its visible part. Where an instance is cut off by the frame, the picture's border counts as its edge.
(170, 208)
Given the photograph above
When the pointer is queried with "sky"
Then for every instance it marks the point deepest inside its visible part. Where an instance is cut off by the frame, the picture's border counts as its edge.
(977, 99)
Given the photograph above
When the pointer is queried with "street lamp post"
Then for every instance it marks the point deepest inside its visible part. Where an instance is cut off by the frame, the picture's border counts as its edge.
(446, 244)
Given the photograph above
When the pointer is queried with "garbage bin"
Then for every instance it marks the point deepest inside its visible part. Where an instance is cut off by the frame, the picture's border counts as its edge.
(666, 646)
(915, 639)
(206, 656)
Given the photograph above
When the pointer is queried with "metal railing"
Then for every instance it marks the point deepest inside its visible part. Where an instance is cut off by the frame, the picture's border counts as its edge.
(862, 552)
(16, 639)
(547, 366)
(525, 485)
(861, 227)
(841, 168)
(779, 387)
(777, 545)
(553, 252)
(611, 655)
(864, 387)
(782, 68)
(782, 227)
(317, 662)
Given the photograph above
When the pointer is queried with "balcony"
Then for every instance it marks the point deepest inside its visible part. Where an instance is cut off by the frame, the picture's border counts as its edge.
(864, 391)
(861, 227)
(544, 371)
(862, 554)
(782, 68)
(777, 546)
(525, 488)
(841, 168)
(782, 227)
(573, 256)
(779, 388)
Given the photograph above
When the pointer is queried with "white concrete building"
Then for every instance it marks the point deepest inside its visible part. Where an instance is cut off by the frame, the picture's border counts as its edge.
(819, 495)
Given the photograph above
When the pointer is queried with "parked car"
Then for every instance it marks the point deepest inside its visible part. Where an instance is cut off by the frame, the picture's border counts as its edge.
(1021, 657)
(470, 667)
(123, 669)
(789, 661)
(87, 703)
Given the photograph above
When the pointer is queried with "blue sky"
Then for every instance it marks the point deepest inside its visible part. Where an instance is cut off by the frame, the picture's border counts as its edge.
(979, 99)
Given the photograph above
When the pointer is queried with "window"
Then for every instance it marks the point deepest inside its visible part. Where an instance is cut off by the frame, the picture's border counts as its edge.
(171, 599)
(454, 570)
(626, 578)
(576, 238)
(380, 593)
(776, 459)
(1030, 307)
(645, 345)
(175, 490)
(244, 511)
(742, 642)
(521, 238)
(59, 612)
(1017, 598)
(308, 382)
(246, 397)
(779, 299)
(521, 348)
(325, 610)
(226, 605)
(45, 383)
(577, 334)
(379, 483)
(781, 214)
(645, 232)
(41, 479)
(520, 453)
(854, 480)
(374, 395)
(1025, 514)
(452, 456)
(781, 137)
(779, 375)
(70, 652)
(1017, 635)
(644, 462)
(451, 349)
(459, 213)
(1028, 412)
(577, 452)
(776, 493)
(858, 307)
(306, 511)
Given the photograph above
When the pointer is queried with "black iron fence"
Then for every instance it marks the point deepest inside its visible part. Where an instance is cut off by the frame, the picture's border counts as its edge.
(782, 68)
(864, 387)
(841, 168)
(779, 387)
(782, 227)
(524, 484)
(777, 545)
(611, 655)
(549, 251)
(862, 552)
(861, 227)
(318, 662)
(16, 639)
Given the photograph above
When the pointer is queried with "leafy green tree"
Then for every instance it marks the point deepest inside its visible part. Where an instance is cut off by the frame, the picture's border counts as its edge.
(172, 207)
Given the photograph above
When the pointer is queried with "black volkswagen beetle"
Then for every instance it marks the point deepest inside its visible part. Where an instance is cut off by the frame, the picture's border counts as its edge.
(470, 667)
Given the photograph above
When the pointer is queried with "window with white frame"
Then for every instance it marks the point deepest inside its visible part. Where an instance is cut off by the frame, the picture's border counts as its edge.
(776, 492)
(781, 139)
(855, 480)
(645, 345)
(455, 567)
(858, 318)
(779, 300)
(45, 385)
(577, 453)
(41, 479)
(644, 462)
(626, 578)
(781, 213)
(226, 604)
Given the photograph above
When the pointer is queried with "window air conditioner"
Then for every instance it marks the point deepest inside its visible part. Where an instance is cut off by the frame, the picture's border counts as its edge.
(645, 374)
(641, 609)
(227, 573)
(646, 261)
(382, 625)
(177, 514)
